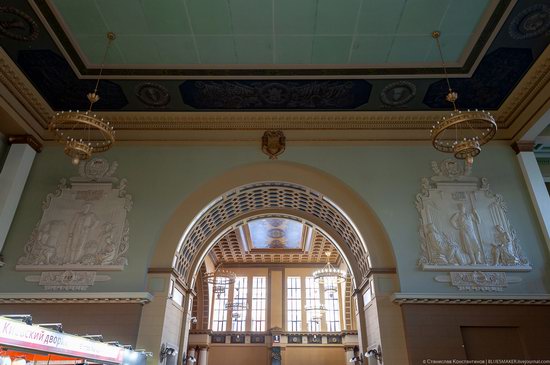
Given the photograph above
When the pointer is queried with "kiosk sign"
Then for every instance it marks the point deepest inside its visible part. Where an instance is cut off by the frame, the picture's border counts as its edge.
(23, 336)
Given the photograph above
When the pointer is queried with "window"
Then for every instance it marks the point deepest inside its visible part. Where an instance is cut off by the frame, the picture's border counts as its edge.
(313, 299)
(333, 307)
(294, 304)
(259, 299)
(240, 295)
(219, 317)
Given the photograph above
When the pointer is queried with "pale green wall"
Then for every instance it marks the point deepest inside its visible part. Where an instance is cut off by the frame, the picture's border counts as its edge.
(388, 178)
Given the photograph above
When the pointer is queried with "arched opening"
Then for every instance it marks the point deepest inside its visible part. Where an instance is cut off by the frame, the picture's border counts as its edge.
(267, 189)
(274, 255)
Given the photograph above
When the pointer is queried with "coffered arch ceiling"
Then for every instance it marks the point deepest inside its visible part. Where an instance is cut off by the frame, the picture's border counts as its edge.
(352, 65)
(274, 240)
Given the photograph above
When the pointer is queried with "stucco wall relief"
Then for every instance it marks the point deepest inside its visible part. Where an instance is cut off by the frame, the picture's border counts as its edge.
(83, 229)
(465, 230)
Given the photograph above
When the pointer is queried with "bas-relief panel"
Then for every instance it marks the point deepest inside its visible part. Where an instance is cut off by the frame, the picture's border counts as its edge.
(83, 229)
(464, 230)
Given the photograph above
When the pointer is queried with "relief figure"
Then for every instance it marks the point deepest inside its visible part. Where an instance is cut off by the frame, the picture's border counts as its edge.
(80, 231)
(465, 223)
(503, 248)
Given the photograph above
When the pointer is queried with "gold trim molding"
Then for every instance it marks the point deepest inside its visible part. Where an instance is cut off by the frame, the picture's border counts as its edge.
(75, 298)
(516, 112)
(411, 298)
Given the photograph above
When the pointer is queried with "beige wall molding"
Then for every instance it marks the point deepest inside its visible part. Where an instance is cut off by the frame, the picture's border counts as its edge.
(26, 139)
(422, 298)
(523, 146)
(75, 298)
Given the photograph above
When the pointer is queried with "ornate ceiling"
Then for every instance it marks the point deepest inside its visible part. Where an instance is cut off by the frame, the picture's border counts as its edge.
(231, 250)
(353, 65)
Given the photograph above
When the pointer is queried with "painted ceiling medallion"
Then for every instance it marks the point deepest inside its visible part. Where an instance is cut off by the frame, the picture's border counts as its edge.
(17, 25)
(84, 133)
(270, 233)
(461, 133)
(398, 93)
(531, 22)
(273, 143)
(153, 94)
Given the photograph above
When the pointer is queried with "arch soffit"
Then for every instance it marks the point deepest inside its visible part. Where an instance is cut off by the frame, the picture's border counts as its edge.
(356, 210)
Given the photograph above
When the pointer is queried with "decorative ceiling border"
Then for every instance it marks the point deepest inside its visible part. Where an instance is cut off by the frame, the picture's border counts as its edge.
(412, 298)
(523, 94)
(490, 29)
(509, 116)
(75, 298)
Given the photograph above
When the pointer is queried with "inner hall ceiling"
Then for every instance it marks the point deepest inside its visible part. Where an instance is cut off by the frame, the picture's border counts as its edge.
(234, 249)
(318, 69)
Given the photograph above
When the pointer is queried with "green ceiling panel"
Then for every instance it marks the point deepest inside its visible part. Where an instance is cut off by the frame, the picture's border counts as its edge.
(166, 17)
(72, 11)
(451, 45)
(336, 17)
(252, 16)
(422, 16)
(176, 50)
(138, 49)
(274, 31)
(412, 48)
(123, 16)
(380, 16)
(210, 16)
(216, 49)
(95, 49)
(295, 17)
(463, 16)
(254, 49)
(371, 49)
(331, 49)
(293, 49)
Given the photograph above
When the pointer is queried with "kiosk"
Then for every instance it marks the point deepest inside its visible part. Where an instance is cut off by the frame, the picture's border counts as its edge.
(21, 343)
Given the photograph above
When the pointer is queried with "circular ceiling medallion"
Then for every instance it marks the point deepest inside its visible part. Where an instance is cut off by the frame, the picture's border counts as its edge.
(276, 233)
(16, 24)
(398, 93)
(530, 22)
(153, 94)
(275, 93)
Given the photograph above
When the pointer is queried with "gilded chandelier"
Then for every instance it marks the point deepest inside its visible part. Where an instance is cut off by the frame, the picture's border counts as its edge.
(220, 280)
(329, 275)
(84, 133)
(462, 132)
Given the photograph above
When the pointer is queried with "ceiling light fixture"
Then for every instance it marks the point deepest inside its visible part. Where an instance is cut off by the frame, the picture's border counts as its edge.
(317, 310)
(220, 280)
(84, 133)
(238, 304)
(329, 275)
(462, 132)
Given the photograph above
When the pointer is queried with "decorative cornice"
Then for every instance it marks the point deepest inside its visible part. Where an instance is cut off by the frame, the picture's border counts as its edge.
(406, 298)
(523, 146)
(75, 298)
(385, 270)
(26, 139)
(22, 89)
(387, 124)
(530, 85)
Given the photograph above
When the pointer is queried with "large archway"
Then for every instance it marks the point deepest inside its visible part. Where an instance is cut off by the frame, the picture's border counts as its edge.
(273, 187)
(309, 192)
